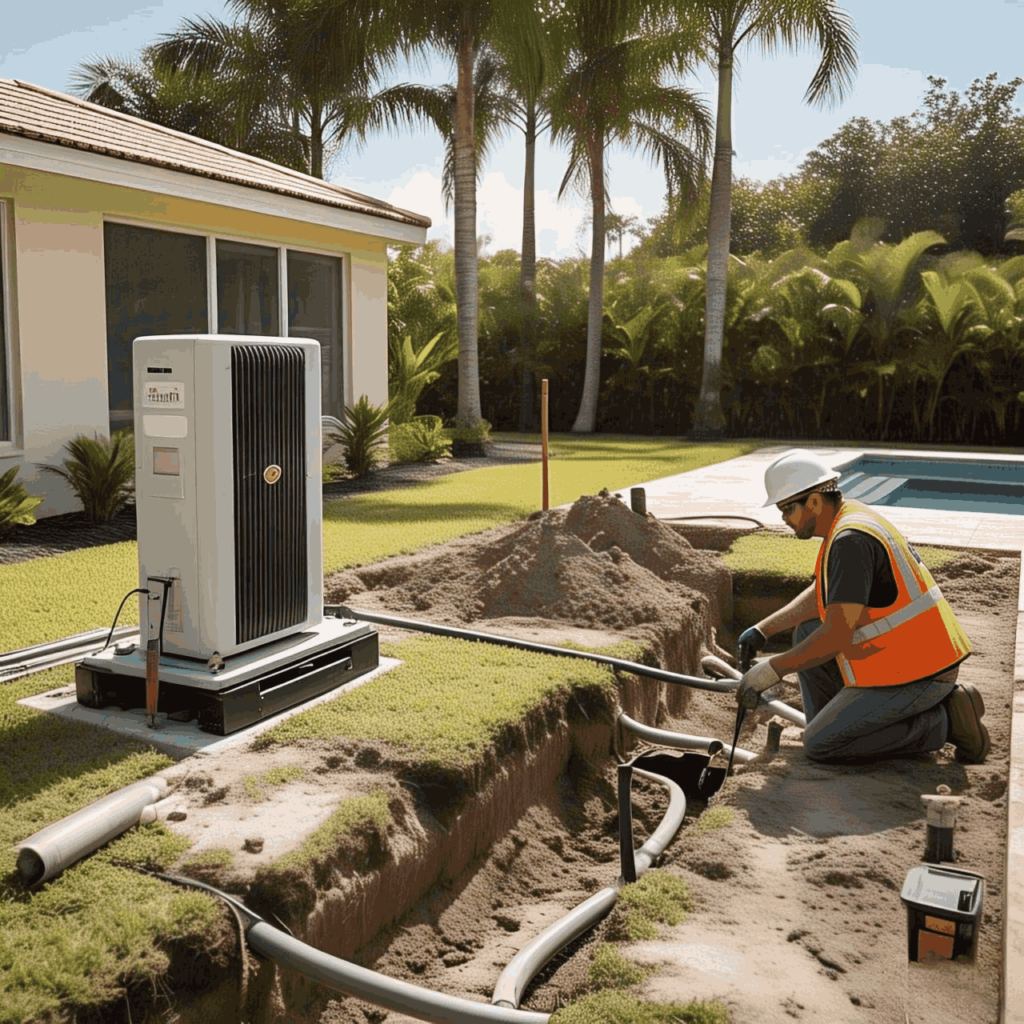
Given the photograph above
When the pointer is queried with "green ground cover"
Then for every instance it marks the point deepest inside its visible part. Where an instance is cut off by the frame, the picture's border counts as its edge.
(447, 701)
(772, 554)
(369, 527)
(49, 598)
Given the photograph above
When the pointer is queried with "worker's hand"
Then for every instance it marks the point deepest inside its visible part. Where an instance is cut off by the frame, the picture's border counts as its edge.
(750, 642)
(754, 682)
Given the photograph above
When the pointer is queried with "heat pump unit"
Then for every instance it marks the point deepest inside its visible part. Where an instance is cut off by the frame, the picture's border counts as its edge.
(227, 470)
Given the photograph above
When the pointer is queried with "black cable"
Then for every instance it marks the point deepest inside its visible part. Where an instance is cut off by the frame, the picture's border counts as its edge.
(163, 612)
(113, 625)
(683, 519)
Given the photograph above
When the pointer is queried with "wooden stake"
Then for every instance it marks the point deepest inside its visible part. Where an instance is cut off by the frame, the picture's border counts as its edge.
(544, 441)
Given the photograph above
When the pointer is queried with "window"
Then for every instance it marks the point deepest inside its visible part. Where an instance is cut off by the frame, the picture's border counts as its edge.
(314, 311)
(156, 284)
(247, 301)
(5, 391)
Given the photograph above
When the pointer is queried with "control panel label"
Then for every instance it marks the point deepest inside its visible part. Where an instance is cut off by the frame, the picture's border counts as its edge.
(165, 394)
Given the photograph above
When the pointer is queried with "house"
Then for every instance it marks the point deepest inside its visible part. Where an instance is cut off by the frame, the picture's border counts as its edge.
(112, 227)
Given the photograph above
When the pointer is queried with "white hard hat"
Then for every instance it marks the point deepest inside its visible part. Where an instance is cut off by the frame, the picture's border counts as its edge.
(795, 473)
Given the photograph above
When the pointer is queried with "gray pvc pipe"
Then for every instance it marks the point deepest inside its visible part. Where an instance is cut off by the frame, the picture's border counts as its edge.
(528, 645)
(52, 849)
(64, 644)
(665, 738)
(390, 993)
(531, 958)
(711, 663)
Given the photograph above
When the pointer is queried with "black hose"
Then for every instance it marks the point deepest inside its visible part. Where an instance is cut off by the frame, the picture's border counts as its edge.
(697, 682)
(685, 519)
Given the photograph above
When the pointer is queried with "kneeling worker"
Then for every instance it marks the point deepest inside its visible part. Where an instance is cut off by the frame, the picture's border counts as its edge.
(877, 647)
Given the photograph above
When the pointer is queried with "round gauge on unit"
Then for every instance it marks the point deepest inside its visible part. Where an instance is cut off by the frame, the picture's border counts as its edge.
(272, 474)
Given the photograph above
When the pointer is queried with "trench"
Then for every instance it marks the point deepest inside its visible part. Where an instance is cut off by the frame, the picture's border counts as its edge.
(446, 897)
(552, 840)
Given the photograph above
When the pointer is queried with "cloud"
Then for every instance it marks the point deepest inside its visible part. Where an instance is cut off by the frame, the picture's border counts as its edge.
(499, 212)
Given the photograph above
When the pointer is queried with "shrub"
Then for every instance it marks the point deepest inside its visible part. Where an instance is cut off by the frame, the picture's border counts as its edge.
(16, 504)
(481, 432)
(420, 440)
(101, 472)
(362, 435)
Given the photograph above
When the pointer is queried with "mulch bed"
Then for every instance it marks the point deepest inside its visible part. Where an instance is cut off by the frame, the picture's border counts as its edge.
(71, 531)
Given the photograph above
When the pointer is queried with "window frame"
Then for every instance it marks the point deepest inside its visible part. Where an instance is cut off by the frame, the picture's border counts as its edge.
(282, 248)
(12, 443)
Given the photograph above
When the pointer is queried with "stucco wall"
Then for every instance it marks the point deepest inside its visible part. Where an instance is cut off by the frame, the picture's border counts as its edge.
(57, 296)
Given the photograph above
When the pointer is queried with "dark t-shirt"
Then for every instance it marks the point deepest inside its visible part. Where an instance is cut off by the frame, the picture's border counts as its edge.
(859, 572)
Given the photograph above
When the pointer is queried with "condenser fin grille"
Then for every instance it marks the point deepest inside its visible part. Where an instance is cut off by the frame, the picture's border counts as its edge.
(271, 571)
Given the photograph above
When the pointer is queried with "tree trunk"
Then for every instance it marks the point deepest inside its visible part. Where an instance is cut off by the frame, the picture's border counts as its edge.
(466, 291)
(708, 419)
(586, 418)
(528, 273)
(316, 141)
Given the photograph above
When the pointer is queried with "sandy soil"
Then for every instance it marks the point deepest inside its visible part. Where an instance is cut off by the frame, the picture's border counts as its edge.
(798, 913)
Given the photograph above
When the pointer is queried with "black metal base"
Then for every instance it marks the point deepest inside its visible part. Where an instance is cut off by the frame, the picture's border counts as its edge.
(225, 711)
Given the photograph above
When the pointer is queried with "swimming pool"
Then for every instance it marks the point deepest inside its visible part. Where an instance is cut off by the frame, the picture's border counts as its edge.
(949, 484)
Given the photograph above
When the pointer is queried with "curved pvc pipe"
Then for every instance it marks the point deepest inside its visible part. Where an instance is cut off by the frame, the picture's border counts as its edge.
(528, 645)
(711, 663)
(390, 993)
(52, 849)
(531, 958)
(675, 739)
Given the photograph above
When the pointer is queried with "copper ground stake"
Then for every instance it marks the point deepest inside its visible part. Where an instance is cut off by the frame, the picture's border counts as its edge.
(152, 679)
(544, 442)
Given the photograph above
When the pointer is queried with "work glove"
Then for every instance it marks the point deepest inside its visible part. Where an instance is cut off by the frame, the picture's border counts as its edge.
(750, 642)
(754, 682)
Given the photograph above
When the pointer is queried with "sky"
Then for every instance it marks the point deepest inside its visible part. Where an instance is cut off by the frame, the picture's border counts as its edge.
(900, 43)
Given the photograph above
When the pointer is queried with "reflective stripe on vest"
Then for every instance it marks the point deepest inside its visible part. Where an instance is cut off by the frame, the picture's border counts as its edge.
(917, 636)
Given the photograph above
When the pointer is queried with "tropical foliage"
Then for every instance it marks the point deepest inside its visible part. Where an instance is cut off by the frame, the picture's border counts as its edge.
(872, 340)
(101, 472)
(363, 436)
(16, 504)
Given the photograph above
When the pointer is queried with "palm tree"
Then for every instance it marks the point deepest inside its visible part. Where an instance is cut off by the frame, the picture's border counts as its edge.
(316, 62)
(612, 91)
(771, 24)
(288, 81)
(203, 106)
(459, 28)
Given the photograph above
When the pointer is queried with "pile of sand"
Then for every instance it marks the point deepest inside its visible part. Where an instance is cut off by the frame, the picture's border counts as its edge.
(596, 564)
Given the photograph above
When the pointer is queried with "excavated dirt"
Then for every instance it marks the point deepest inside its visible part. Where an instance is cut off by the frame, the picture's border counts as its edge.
(596, 565)
(797, 900)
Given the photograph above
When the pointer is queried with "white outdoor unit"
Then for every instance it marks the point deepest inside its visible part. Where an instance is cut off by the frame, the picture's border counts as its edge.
(228, 499)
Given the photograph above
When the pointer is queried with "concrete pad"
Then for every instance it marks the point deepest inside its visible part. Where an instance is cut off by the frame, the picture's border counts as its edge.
(179, 739)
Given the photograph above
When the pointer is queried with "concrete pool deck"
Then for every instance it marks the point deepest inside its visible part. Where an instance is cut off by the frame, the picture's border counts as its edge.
(736, 488)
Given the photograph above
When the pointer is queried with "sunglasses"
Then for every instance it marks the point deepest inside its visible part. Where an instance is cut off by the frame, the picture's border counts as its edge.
(791, 506)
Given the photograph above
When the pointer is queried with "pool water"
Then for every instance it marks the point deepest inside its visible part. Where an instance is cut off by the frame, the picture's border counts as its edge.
(956, 485)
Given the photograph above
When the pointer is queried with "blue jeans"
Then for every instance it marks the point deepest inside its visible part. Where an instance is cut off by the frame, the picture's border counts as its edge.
(847, 723)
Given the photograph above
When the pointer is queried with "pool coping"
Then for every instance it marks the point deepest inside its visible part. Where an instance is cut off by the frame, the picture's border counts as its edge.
(735, 488)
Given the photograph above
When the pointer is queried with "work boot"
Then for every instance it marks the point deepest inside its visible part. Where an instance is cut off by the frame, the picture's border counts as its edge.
(965, 707)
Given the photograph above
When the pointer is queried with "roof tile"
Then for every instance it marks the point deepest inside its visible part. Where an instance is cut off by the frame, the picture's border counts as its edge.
(38, 113)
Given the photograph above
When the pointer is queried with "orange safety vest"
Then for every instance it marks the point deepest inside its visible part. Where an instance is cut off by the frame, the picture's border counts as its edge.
(915, 637)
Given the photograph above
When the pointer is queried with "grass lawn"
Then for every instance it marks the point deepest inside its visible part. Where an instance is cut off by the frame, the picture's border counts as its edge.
(75, 940)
